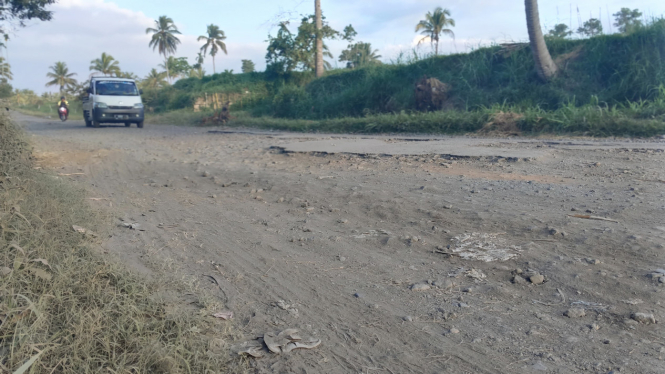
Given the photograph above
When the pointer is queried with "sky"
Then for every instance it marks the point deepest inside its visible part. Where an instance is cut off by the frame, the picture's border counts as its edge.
(82, 29)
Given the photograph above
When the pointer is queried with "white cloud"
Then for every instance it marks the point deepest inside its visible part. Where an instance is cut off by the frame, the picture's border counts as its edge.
(82, 29)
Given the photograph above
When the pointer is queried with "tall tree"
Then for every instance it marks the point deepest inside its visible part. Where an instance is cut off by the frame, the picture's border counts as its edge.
(197, 69)
(248, 66)
(559, 31)
(5, 70)
(179, 67)
(200, 58)
(545, 66)
(591, 28)
(79, 90)
(164, 38)
(17, 12)
(434, 25)
(627, 20)
(60, 76)
(318, 15)
(360, 54)
(288, 51)
(213, 41)
(107, 65)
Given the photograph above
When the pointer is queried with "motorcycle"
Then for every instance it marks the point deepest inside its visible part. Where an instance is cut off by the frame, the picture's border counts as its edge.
(64, 113)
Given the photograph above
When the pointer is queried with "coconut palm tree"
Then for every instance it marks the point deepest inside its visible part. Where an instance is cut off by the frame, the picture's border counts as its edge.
(78, 90)
(5, 70)
(154, 80)
(197, 73)
(60, 76)
(163, 38)
(128, 75)
(434, 25)
(360, 54)
(200, 59)
(545, 66)
(214, 41)
(319, 64)
(107, 65)
(197, 70)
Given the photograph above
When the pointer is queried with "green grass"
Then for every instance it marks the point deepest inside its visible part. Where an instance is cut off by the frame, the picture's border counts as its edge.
(614, 69)
(79, 313)
(641, 119)
(182, 117)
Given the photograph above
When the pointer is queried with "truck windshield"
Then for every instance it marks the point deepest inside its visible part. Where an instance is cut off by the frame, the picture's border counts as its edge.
(116, 88)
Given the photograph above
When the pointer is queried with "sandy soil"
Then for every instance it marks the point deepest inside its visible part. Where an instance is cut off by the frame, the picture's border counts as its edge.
(381, 257)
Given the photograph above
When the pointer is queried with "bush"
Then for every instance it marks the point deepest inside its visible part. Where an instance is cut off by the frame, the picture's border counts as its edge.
(291, 102)
(6, 90)
(181, 100)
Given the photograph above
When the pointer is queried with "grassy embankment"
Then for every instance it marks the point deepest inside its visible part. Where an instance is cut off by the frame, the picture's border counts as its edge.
(608, 85)
(63, 308)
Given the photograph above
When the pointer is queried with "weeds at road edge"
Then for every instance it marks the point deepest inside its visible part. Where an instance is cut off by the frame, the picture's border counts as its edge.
(63, 304)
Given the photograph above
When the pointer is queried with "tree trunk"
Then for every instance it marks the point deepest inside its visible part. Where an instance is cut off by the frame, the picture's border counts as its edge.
(319, 39)
(545, 66)
(436, 48)
(213, 65)
(166, 65)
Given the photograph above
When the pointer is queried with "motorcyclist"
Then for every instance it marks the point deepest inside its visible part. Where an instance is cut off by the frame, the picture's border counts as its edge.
(63, 103)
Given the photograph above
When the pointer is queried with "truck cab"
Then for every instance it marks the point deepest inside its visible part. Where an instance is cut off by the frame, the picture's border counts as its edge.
(113, 100)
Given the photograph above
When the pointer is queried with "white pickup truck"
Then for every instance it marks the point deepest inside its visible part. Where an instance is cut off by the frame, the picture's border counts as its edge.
(113, 100)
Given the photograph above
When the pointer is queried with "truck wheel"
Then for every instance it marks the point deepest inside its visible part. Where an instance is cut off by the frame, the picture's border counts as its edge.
(85, 118)
(139, 124)
(127, 124)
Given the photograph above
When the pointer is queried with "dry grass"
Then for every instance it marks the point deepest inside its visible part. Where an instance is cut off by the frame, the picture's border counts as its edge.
(503, 124)
(61, 301)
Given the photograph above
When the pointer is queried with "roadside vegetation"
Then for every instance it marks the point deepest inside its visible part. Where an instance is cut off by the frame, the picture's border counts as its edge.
(603, 85)
(584, 82)
(609, 85)
(63, 308)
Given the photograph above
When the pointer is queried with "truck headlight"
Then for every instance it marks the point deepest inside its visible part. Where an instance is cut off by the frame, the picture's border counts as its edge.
(138, 105)
(101, 106)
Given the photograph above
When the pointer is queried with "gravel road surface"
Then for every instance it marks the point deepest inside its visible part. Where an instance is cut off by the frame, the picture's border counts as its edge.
(442, 255)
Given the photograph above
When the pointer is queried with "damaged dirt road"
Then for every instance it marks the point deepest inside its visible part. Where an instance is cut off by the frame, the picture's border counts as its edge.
(429, 263)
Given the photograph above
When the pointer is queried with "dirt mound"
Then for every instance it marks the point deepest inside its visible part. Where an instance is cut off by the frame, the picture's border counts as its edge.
(504, 124)
(431, 94)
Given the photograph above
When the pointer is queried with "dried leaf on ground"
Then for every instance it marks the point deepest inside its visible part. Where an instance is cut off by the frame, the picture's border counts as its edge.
(42, 261)
(79, 229)
(25, 367)
(225, 315)
(485, 247)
